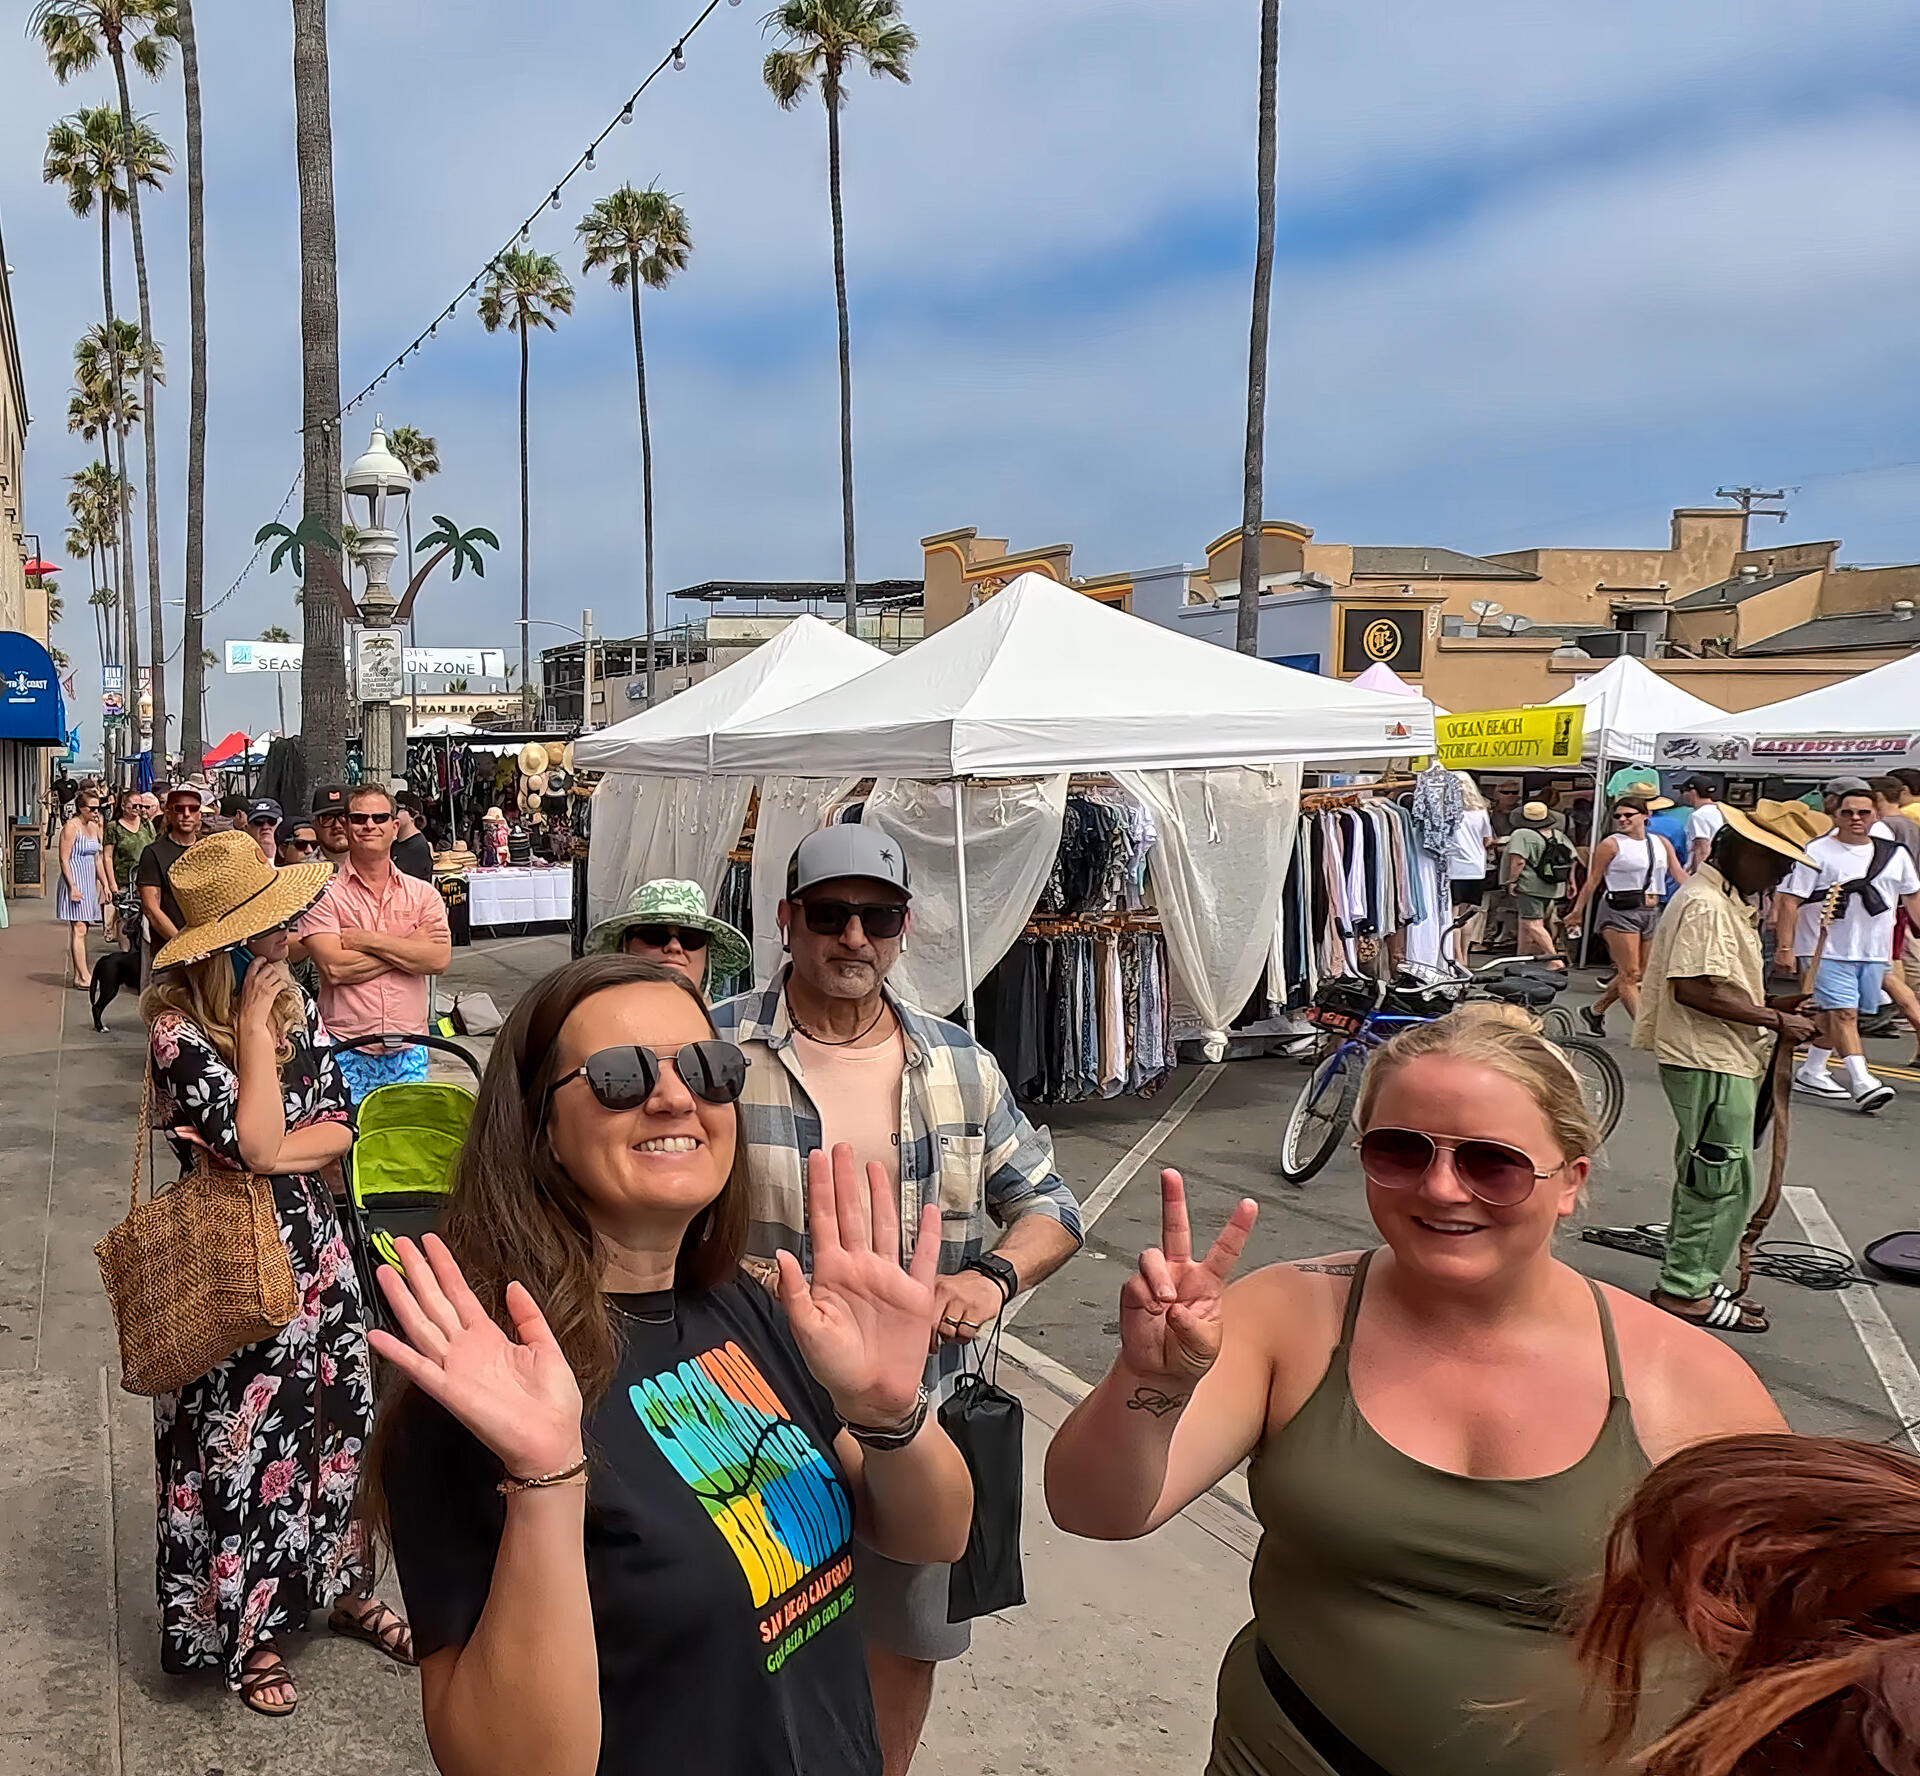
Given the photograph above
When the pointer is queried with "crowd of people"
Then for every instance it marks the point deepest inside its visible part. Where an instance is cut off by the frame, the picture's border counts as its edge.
(659, 1455)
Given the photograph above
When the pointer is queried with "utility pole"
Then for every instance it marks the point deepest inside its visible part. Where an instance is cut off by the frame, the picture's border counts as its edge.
(1748, 498)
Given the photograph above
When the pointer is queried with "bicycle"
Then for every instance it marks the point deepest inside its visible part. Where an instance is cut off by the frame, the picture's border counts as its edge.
(1364, 1014)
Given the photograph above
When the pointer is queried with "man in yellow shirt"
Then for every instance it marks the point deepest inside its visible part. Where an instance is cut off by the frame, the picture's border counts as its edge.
(1704, 1015)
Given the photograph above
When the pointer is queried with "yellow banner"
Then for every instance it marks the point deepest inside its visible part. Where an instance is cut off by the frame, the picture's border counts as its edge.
(1521, 738)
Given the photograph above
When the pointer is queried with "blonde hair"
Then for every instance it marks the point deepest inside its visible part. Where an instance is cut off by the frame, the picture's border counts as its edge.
(204, 994)
(1471, 791)
(1505, 1040)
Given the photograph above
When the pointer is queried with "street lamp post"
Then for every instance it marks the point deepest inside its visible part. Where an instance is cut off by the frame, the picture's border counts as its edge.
(380, 481)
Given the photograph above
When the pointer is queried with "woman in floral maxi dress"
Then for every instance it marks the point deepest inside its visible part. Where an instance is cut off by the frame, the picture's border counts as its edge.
(259, 1459)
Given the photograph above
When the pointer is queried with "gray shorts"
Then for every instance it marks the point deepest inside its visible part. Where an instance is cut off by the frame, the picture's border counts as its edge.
(904, 1608)
(1639, 920)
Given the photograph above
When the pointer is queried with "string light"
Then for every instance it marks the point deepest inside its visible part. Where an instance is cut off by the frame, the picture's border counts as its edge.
(679, 60)
(626, 116)
(556, 197)
(589, 160)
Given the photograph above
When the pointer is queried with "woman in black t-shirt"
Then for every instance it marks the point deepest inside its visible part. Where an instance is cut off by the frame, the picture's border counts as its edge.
(624, 1526)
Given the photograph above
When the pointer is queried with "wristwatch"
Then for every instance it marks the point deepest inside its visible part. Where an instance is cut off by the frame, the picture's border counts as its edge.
(989, 1264)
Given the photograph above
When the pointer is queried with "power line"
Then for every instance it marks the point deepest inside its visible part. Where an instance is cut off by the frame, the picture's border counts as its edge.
(253, 561)
(675, 58)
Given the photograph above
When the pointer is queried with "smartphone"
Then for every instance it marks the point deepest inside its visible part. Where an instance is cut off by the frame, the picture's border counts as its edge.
(242, 961)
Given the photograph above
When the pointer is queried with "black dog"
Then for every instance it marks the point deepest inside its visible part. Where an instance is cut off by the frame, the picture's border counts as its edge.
(116, 969)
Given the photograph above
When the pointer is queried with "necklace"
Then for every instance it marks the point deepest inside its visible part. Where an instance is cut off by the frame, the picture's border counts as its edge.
(828, 1041)
(627, 1313)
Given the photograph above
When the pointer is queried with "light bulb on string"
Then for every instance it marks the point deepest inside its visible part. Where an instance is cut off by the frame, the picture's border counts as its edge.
(679, 59)
(555, 199)
(589, 162)
(626, 116)
(526, 232)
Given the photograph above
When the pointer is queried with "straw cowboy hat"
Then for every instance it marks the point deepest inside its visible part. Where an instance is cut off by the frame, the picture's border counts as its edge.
(1781, 827)
(228, 893)
(668, 902)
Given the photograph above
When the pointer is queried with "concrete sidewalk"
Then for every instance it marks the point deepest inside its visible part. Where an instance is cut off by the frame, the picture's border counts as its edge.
(1109, 1667)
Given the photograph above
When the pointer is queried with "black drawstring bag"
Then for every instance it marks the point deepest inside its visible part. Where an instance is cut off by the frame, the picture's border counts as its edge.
(984, 1422)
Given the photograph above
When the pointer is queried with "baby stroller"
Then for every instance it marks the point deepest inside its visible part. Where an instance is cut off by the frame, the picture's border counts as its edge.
(400, 1167)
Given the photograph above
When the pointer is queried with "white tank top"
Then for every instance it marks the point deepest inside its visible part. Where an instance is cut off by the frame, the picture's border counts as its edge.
(1633, 870)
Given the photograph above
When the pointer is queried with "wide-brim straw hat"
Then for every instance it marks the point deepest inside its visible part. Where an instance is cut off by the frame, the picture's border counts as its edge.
(228, 893)
(1781, 827)
(667, 902)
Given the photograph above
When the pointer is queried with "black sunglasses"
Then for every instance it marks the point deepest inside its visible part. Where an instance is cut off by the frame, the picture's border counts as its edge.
(1499, 1175)
(300, 844)
(878, 919)
(369, 819)
(625, 1078)
(657, 937)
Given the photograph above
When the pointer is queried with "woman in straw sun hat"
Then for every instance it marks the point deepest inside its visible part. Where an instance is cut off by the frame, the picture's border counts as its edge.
(668, 922)
(259, 1458)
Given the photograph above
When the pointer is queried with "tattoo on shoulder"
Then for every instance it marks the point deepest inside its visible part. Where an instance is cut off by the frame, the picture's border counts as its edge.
(1332, 1270)
(1154, 1401)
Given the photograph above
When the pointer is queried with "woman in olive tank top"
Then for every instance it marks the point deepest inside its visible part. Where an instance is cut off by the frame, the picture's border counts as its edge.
(1440, 1430)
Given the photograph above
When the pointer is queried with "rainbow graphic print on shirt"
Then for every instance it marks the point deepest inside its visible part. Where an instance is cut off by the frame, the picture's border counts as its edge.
(766, 1487)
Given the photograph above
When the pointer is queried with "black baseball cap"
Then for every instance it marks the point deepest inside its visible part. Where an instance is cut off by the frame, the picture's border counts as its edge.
(1701, 785)
(260, 812)
(289, 828)
(330, 798)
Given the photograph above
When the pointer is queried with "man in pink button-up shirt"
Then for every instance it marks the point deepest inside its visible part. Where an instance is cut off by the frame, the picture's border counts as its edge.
(376, 935)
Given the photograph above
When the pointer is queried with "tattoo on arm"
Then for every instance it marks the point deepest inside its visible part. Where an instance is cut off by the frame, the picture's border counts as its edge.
(1332, 1270)
(1154, 1401)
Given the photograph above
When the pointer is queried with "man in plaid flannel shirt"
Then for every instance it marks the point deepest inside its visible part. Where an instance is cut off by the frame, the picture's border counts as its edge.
(837, 1057)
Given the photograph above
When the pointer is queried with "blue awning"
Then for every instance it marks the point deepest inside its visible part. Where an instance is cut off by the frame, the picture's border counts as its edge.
(31, 708)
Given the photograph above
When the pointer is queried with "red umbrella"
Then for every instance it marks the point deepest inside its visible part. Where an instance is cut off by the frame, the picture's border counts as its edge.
(38, 569)
(230, 748)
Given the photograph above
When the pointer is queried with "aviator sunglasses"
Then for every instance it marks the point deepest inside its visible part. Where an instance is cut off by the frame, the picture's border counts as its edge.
(624, 1078)
(1500, 1176)
(828, 918)
(657, 937)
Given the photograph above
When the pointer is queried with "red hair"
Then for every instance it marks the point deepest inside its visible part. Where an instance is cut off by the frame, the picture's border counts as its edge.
(1792, 1565)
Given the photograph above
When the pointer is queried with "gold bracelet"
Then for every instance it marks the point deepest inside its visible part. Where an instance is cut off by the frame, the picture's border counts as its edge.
(513, 1483)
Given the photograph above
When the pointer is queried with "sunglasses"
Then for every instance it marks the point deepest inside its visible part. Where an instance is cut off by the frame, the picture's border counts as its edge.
(625, 1078)
(828, 918)
(657, 937)
(301, 844)
(1400, 1159)
(369, 819)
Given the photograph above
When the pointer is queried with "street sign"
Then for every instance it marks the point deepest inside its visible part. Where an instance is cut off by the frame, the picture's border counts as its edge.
(379, 676)
(263, 656)
(425, 662)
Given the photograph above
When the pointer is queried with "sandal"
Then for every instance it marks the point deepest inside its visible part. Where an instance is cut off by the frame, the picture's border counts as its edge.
(1726, 1313)
(273, 1675)
(377, 1625)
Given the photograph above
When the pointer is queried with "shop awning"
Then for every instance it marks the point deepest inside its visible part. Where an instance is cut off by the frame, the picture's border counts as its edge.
(31, 708)
(1870, 722)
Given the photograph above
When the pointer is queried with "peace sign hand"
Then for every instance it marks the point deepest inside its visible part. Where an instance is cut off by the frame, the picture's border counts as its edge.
(517, 1395)
(1170, 1319)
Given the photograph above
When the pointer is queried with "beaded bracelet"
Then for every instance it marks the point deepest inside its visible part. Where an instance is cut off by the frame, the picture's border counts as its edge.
(513, 1483)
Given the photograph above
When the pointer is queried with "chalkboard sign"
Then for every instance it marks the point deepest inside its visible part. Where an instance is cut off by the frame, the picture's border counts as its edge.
(25, 860)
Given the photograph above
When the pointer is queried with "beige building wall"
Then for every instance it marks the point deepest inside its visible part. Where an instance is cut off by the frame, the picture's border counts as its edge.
(1580, 585)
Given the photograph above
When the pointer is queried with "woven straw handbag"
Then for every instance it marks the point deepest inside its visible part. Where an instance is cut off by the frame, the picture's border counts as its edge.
(194, 1273)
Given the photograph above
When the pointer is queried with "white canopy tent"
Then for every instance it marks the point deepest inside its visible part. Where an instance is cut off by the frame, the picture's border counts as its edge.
(1628, 707)
(1870, 722)
(675, 738)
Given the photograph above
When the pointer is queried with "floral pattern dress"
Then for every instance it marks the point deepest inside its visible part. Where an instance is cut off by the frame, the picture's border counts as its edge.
(259, 1459)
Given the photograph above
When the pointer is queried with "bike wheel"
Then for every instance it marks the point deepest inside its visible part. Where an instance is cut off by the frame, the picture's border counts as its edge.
(1601, 1082)
(1321, 1114)
(1556, 1024)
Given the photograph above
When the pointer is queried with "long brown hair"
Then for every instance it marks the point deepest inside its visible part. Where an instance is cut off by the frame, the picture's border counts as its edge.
(203, 993)
(515, 1215)
(1792, 1564)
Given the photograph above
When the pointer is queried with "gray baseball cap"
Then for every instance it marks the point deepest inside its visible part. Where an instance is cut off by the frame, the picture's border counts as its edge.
(836, 852)
(1846, 786)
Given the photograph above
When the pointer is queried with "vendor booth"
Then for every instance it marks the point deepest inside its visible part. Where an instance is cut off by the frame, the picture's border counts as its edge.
(992, 751)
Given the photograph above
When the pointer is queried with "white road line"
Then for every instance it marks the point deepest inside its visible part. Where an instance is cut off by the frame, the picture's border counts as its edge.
(1890, 1358)
(1101, 1197)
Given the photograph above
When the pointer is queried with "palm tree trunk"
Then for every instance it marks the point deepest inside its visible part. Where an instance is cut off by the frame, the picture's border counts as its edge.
(156, 610)
(325, 710)
(526, 555)
(646, 470)
(192, 671)
(129, 624)
(830, 89)
(1247, 618)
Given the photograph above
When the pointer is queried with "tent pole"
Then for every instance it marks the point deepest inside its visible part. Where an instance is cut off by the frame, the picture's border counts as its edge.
(960, 870)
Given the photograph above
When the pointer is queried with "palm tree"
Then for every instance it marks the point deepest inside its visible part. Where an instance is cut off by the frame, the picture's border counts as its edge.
(192, 678)
(326, 712)
(97, 160)
(93, 502)
(819, 40)
(74, 33)
(275, 633)
(1246, 622)
(91, 413)
(639, 237)
(524, 290)
(419, 455)
(103, 601)
(208, 660)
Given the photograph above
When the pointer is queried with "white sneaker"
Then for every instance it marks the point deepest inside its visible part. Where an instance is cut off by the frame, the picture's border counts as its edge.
(1820, 1085)
(1875, 1095)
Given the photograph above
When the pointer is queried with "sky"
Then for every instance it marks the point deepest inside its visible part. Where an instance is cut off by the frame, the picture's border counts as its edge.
(1545, 270)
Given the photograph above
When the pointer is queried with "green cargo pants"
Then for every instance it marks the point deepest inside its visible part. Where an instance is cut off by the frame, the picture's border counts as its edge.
(1713, 1176)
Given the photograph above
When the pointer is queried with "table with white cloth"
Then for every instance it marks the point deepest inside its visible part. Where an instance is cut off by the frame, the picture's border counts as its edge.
(517, 899)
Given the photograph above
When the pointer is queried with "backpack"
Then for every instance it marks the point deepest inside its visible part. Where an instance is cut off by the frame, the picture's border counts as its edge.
(1556, 858)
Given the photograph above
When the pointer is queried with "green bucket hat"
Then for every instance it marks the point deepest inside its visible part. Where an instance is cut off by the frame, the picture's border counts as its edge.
(677, 903)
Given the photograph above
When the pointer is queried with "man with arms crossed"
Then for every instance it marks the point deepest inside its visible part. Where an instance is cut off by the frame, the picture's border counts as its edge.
(838, 1057)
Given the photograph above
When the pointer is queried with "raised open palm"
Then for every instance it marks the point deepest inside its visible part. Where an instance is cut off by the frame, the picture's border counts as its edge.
(1170, 1322)
(517, 1395)
(862, 1322)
